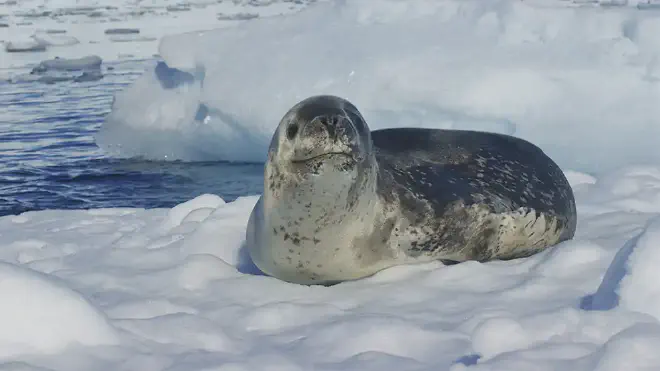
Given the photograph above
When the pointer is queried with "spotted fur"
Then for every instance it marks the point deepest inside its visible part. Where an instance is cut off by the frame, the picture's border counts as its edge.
(341, 202)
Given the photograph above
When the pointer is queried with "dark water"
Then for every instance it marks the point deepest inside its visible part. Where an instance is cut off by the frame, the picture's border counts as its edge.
(48, 158)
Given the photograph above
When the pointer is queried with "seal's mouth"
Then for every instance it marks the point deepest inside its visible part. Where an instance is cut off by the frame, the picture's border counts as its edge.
(325, 156)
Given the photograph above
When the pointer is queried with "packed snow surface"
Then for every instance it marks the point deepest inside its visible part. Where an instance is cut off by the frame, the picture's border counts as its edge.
(582, 82)
(172, 289)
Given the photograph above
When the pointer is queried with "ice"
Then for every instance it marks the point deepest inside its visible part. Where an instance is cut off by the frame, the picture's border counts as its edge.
(91, 62)
(39, 314)
(170, 289)
(237, 16)
(51, 71)
(54, 39)
(555, 72)
(190, 209)
(24, 46)
(86, 23)
(122, 31)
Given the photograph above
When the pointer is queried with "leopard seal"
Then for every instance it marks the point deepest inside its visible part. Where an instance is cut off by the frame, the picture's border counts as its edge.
(341, 202)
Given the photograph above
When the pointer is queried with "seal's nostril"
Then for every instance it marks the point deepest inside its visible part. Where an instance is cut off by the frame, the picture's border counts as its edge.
(291, 131)
(331, 124)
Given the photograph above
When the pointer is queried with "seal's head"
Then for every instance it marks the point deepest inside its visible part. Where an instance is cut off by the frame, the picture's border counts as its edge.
(321, 134)
(322, 139)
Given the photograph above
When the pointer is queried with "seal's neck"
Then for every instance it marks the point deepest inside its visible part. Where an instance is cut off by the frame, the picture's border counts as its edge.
(326, 201)
(323, 227)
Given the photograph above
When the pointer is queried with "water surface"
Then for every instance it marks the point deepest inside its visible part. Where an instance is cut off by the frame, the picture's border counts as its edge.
(48, 158)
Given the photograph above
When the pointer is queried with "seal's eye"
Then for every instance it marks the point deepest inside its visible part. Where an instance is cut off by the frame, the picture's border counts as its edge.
(291, 131)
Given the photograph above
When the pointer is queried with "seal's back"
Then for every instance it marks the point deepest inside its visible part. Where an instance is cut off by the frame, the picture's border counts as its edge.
(499, 172)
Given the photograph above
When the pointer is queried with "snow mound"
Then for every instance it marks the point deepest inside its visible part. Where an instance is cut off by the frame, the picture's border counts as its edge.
(417, 63)
(40, 314)
(635, 188)
(197, 209)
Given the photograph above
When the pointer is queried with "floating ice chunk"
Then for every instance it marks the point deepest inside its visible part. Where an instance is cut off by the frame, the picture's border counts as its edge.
(236, 16)
(41, 314)
(90, 62)
(33, 13)
(54, 31)
(122, 31)
(178, 8)
(30, 45)
(48, 39)
(61, 69)
(131, 38)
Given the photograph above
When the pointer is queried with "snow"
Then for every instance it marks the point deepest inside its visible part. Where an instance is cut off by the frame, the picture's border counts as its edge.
(535, 69)
(44, 315)
(173, 289)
